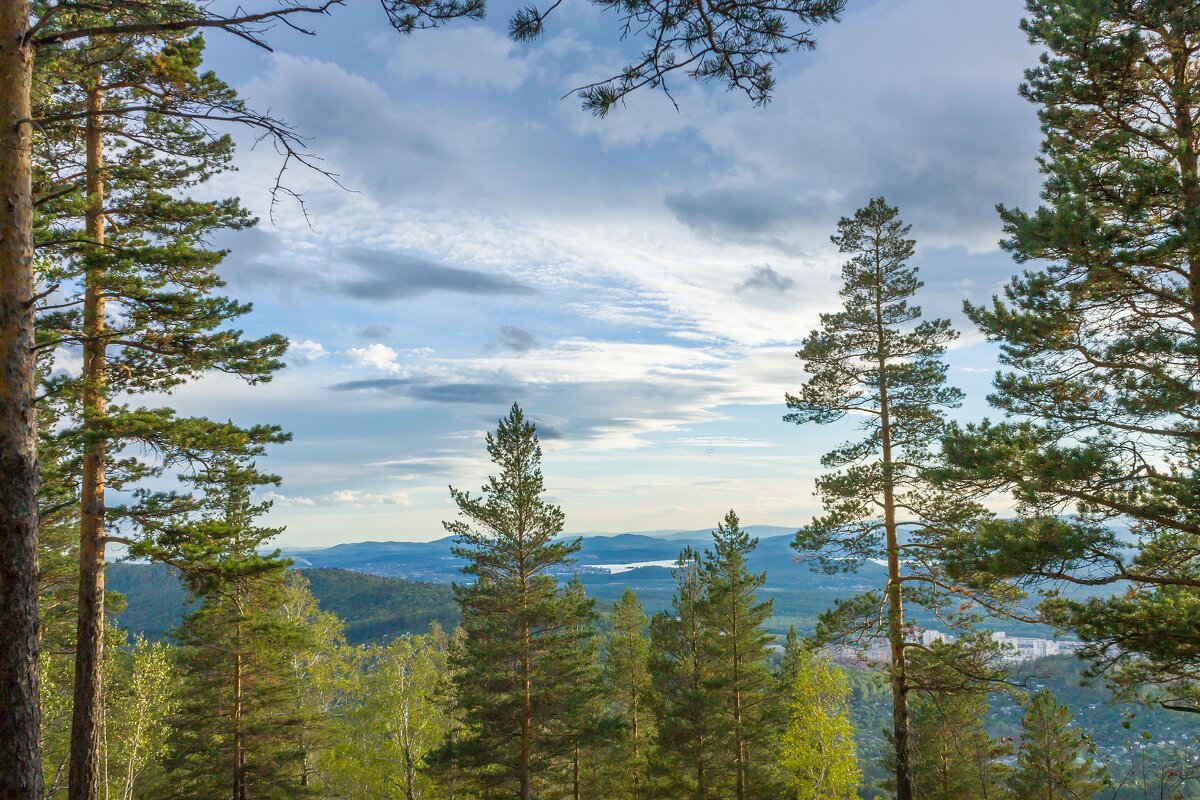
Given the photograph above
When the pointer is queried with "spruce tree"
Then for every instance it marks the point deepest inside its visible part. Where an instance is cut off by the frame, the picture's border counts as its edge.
(1100, 344)
(1052, 757)
(682, 670)
(741, 684)
(523, 658)
(816, 750)
(877, 361)
(628, 686)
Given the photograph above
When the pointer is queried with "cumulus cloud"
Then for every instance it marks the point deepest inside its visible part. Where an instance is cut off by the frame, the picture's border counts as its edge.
(377, 356)
(765, 278)
(305, 352)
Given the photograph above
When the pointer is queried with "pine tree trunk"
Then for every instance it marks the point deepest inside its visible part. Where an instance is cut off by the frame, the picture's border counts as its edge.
(20, 716)
(89, 652)
(526, 712)
(575, 773)
(899, 665)
(239, 754)
(739, 733)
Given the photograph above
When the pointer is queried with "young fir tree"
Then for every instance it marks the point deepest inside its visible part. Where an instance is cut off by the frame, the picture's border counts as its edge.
(816, 750)
(627, 684)
(1100, 339)
(953, 757)
(129, 277)
(523, 661)
(589, 726)
(239, 732)
(741, 684)
(877, 361)
(1052, 757)
(682, 670)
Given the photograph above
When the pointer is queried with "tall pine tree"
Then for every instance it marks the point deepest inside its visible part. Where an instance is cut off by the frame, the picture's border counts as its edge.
(876, 360)
(524, 656)
(130, 279)
(240, 732)
(1100, 344)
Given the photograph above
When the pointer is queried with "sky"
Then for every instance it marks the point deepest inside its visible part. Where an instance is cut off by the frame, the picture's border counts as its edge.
(639, 284)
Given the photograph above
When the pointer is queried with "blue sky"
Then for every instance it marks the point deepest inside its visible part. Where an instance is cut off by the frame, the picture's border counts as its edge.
(638, 283)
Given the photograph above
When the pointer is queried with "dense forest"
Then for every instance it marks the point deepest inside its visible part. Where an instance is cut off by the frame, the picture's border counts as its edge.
(1074, 510)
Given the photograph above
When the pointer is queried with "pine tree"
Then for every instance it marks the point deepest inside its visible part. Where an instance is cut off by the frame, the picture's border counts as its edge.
(130, 279)
(523, 656)
(1100, 341)
(1052, 758)
(682, 670)
(877, 361)
(741, 684)
(816, 750)
(628, 686)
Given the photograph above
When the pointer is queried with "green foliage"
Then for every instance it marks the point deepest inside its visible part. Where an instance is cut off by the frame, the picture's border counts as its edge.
(817, 751)
(953, 756)
(735, 45)
(741, 684)
(523, 672)
(396, 708)
(1052, 757)
(682, 669)
(629, 690)
(1099, 343)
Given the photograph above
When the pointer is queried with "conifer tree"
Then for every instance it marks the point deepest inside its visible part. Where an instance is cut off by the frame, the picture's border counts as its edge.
(741, 684)
(1100, 344)
(876, 360)
(816, 750)
(130, 279)
(239, 731)
(1052, 757)
(523, 657)
(954, 758)
(628, 686)
(682, 670)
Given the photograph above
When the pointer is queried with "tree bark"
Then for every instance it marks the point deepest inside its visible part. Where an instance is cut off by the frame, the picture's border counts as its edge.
(89, 652)
(900, 724)
(239, 752)
(20, 716)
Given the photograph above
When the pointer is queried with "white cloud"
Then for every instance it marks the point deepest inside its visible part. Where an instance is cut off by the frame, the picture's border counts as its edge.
(377, 356)
(395, 497)
(283, 500)
(305, 352)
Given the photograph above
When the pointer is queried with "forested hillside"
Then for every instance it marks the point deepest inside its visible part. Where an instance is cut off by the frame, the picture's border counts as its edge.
(372, 608)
